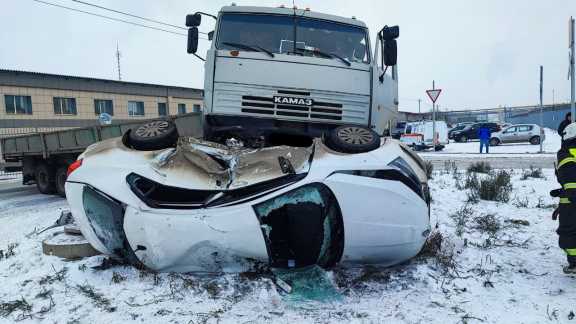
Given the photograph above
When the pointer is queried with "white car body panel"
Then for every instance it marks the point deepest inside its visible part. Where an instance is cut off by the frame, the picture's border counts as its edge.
(384, 221)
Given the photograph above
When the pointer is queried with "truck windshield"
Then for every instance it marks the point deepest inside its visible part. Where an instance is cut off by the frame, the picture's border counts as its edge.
(275, 33)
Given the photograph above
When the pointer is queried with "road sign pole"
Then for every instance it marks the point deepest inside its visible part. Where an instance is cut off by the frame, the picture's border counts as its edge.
(541, 107)
(571, 40)
(433, 118)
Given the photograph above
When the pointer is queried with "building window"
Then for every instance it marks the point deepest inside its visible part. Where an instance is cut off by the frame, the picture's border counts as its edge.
(181, 109)
(196, 108)
(135, 108)
(162, 111)
(65, 106)
(18, 105)
(103, 106)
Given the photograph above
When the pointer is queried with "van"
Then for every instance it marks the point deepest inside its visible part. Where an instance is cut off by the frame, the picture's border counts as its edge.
(418, 135)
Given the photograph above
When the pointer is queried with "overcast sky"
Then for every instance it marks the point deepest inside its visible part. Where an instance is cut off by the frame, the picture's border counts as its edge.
(482, 53)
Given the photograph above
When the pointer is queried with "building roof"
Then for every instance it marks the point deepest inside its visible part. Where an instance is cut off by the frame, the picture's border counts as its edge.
(75, 83)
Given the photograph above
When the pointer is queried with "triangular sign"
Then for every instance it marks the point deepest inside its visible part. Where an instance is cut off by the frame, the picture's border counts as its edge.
(434, 94)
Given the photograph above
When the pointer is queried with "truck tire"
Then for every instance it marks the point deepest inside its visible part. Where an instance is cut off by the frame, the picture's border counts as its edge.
(535, 140)
(153, 135)
(60, 179)
(352, 139)
(45, 178)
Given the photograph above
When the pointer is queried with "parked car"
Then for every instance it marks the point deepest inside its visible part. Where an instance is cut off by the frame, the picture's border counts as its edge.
(398, 130)
(203, 206)
(418, 135)
(471, 131)
(518, 134)
(457, 127)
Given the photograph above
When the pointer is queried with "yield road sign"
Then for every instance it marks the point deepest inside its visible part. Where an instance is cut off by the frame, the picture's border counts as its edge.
(434, 94)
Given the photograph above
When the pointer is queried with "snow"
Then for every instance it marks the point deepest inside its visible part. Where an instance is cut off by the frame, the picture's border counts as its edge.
(551, 144)
(517, 278)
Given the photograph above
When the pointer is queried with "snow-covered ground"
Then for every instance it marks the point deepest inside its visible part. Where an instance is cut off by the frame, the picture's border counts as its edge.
(507, 270)
(550, 145)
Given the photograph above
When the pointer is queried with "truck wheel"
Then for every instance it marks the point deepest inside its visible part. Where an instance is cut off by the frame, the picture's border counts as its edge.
(494, 142)
(154, 135)
(352, 139)
(535, 140)
(61, 175)
(45, 181)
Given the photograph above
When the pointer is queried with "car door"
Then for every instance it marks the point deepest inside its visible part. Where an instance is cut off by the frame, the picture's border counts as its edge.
(508, 135)
(524, 133)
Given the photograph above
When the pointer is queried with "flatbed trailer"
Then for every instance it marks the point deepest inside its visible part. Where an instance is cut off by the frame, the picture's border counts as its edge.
(45, 156)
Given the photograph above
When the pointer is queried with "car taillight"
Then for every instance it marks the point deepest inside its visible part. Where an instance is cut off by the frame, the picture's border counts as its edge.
(75, 165)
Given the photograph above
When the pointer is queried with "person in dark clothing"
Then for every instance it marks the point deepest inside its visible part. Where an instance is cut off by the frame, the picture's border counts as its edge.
(567, 120)
(484, 135)
(566, 211)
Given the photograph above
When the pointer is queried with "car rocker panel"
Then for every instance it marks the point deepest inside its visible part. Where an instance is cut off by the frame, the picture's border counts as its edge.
(173, 210)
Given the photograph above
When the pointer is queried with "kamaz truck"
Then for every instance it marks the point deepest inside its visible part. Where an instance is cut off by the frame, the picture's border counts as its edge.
(277, 75)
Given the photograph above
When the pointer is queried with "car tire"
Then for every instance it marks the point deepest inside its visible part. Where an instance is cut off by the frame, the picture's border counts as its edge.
(45, 179)
(153, 135)
(494, 142)
(463, 139)
(352, 139)
(60, 180)
(535, 140)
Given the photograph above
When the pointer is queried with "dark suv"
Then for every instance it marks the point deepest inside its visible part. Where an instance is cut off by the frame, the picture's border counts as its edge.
(471, 131)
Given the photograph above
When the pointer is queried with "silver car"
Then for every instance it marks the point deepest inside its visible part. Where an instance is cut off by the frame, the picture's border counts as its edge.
(530, 133)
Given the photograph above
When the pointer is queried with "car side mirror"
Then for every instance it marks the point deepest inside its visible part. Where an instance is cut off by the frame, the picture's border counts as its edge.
(193, 20)
(192, 40)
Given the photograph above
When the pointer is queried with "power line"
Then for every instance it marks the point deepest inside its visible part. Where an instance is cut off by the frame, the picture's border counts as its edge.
(132, 15)
(110, 18)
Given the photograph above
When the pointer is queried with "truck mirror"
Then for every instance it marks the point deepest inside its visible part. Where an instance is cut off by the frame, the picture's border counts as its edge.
(390, 52)
(193, 20)
(192, 40)
(389, 33)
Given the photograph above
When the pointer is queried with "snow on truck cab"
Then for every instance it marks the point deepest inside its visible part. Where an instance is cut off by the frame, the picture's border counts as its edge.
(281, 71)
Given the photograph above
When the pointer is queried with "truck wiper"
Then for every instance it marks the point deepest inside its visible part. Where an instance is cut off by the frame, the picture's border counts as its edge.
(327, 55)
(253, 48)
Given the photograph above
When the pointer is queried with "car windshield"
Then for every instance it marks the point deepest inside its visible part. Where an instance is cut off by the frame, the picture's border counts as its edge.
(276, 33)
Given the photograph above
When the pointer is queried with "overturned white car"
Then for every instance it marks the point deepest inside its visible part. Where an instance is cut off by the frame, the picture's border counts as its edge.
(198, 205)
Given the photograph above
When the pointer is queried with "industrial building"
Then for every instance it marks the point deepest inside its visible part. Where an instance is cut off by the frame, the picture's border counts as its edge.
(32, 102)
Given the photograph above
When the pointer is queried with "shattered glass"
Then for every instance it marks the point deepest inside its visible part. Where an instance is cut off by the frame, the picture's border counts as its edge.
(308, 284)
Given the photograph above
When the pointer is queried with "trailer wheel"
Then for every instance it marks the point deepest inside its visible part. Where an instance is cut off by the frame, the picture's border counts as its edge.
(352, 139)
(154, 135)
(61, 175)
(45, 179)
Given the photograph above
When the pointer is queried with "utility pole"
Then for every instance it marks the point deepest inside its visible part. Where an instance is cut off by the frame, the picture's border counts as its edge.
(541, 107)
(571, 43)
(118, 62)
(419, 106)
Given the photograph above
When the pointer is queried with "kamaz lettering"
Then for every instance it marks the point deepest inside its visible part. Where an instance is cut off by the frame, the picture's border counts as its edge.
(293, 101)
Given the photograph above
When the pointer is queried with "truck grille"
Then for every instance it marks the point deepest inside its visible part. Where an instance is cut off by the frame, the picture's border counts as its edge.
(258, 101)
(266, 106)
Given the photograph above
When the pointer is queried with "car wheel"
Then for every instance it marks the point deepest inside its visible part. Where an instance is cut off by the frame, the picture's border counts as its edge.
(494, 142)
(60, 179)
(352, 139)
(535, 140)
(45, 181)
(154, 135)
(463, 139)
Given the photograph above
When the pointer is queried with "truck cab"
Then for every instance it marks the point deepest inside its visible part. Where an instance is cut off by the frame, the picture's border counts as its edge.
(278, 71)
